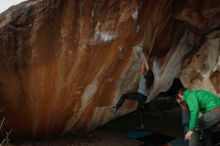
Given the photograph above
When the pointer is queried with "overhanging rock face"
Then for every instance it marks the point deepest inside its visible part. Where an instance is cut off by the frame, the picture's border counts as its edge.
(63, 64)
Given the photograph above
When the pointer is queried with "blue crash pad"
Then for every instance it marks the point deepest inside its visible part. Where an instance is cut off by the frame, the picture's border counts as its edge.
(138, 134)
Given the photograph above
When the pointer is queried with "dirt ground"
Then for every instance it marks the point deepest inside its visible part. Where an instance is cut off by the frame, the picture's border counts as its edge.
(166, 122)
(94, 139)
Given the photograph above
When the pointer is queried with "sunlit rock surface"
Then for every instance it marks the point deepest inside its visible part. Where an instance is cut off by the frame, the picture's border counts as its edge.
(63, 64)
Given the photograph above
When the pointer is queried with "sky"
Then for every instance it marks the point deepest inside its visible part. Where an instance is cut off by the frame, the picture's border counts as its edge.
(5, 4)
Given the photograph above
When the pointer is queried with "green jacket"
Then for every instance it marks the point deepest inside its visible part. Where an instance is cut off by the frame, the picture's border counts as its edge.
(199, 101)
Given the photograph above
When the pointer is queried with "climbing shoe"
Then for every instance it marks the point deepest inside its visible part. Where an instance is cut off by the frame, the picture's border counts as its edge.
(141, 127)
(114, 109)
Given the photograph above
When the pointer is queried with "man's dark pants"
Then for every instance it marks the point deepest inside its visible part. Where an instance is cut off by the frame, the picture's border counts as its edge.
(206, 123)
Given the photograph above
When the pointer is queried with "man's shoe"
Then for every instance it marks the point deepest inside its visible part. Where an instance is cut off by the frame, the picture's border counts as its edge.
(114, 109)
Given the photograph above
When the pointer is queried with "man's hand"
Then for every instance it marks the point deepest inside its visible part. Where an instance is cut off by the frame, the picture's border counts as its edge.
(188, 135)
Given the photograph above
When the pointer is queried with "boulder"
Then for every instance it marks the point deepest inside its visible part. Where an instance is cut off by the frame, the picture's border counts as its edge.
(63, 64)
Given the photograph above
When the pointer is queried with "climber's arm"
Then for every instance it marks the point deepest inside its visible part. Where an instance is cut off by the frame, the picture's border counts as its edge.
(142, 71)
(145, 62)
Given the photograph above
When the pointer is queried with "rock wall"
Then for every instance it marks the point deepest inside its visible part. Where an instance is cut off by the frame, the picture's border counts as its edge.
(202, 71)
(63, 64)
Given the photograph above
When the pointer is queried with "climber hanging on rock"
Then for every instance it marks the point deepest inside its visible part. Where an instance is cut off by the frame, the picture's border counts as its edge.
(145, 83)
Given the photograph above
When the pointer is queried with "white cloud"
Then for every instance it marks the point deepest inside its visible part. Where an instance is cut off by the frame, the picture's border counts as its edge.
(5, 4)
